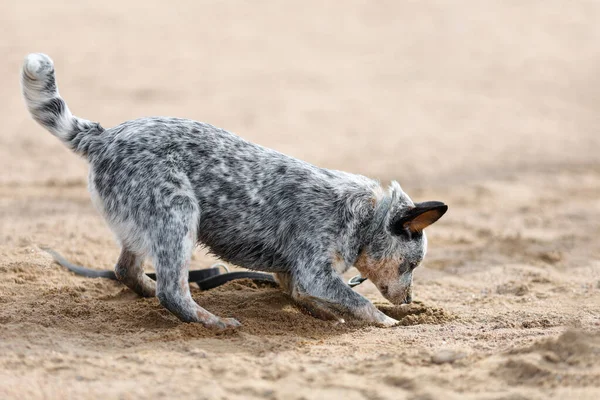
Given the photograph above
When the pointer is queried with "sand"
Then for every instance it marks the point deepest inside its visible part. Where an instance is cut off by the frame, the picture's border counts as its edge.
(489, 106)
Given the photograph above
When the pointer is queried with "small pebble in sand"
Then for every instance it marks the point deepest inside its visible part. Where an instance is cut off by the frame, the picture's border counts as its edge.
(447, 356)
(517, 289)
(197, 352)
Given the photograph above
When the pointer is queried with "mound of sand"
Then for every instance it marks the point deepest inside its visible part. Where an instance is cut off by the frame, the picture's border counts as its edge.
(416, 313)
(572, 359)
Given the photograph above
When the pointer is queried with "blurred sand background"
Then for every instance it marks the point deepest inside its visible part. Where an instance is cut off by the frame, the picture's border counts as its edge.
(490, 106)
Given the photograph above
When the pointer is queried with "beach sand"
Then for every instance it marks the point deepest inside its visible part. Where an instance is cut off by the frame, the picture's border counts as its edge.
(491, 107)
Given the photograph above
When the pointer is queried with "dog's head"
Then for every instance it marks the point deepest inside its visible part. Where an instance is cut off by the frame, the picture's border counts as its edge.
(397, 243)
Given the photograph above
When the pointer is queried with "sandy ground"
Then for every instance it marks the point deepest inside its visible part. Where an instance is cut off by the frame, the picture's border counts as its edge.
(489, 106)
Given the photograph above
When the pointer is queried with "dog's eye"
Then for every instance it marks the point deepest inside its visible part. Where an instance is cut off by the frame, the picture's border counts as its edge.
(408, 267)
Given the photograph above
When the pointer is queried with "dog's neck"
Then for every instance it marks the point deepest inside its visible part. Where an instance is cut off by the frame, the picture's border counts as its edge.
(363, 228)
(381, 211)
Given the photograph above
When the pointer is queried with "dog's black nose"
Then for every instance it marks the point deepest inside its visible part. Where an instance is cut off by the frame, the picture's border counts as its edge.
(408, 299)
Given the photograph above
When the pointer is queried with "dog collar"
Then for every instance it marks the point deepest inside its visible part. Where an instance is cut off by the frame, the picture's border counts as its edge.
(356, 280)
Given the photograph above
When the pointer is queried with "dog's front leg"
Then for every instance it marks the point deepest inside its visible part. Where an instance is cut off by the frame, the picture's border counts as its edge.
(330, 295)
(313, 305)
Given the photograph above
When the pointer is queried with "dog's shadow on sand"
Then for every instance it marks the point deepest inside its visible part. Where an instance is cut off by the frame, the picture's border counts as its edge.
(264, 310)
(105, 311)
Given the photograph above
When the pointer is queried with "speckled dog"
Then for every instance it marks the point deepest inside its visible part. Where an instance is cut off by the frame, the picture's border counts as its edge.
(166, 184)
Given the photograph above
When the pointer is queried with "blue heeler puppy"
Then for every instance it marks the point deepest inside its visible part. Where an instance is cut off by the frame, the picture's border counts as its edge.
(166, 184)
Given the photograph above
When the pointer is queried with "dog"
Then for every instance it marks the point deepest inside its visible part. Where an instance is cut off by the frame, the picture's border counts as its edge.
(165, 185)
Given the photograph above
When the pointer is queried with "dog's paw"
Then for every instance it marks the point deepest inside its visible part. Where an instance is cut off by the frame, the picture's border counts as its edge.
(388, 322)
(373, 316)
(227, 323)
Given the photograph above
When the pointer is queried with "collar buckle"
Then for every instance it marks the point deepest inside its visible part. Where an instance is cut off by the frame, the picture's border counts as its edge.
(356, 280)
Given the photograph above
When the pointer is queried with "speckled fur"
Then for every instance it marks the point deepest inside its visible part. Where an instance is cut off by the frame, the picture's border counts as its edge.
(166, 184)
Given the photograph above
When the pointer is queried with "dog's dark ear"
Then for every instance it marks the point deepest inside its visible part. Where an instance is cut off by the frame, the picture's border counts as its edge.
(418, 218)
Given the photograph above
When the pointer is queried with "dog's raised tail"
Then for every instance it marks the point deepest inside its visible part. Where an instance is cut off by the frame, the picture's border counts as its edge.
(49, 109)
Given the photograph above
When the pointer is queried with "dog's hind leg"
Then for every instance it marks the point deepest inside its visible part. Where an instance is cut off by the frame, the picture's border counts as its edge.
(172, 242)
(129, 271)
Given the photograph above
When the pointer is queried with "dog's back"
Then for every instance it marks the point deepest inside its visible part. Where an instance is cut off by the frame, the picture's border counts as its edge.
(257, 207)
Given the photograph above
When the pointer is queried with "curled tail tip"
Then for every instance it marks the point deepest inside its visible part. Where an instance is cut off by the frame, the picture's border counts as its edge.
(38, 85)
(37, 66)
